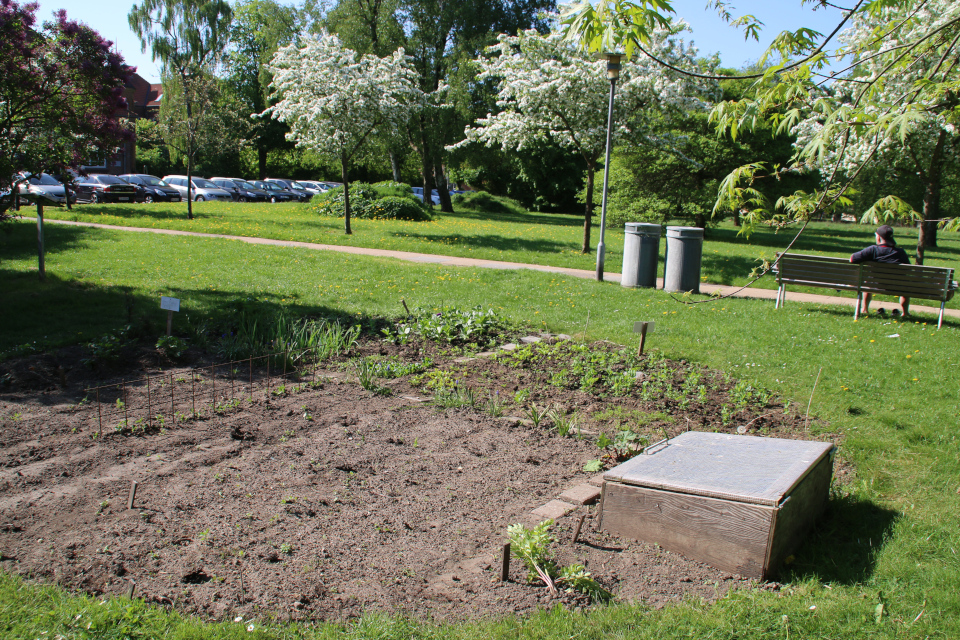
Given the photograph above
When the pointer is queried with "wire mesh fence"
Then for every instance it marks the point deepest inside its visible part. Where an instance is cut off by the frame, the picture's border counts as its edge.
(166, 399)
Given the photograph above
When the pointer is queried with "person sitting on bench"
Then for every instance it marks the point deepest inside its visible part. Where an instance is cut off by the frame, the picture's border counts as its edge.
(885, 250)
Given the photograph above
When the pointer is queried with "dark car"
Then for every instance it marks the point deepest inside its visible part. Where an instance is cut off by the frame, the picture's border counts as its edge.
(241, 190)
(100, 187)
(276, 192)
(151, 188)
(294, 187)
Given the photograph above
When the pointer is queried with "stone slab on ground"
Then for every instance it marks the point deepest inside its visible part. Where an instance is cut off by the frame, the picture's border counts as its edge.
(509, 347)
(555, 509)
(581, 494)
(596, 480)
(530, 339)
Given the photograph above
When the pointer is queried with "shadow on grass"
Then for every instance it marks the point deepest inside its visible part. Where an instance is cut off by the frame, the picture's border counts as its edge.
(160, 211)
(548, 219)
(18, 239)
(495, 242)
(721, 269)
(889, 302)
(845, 544)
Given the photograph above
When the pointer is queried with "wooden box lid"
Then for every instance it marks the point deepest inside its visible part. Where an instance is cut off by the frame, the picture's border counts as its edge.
(731, 467)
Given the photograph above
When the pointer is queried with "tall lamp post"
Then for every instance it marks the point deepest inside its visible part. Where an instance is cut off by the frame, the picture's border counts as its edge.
(613, 73)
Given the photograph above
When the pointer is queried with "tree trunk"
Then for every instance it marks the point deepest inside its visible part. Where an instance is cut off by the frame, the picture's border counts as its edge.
(700, 220)
(588, 212)
(426, 169)
(346, 195)
(395, 167)
(261, 163)
(446, 205)
(736, 217)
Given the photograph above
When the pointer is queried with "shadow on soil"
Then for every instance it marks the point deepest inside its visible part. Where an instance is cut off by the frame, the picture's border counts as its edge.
(844, 546)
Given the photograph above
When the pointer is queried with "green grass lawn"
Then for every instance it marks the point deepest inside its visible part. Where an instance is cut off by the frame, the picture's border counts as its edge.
(890, 389)
(511, 234)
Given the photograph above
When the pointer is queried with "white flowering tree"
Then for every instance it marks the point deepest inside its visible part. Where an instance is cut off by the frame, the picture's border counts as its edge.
(548, 90)
(881, 87)
(900, 123)
(335, 101)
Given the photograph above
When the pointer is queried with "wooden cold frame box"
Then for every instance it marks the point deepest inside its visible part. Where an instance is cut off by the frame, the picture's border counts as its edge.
(739, 503)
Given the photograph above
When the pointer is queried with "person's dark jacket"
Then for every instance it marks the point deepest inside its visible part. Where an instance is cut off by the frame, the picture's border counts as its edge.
(881, 253)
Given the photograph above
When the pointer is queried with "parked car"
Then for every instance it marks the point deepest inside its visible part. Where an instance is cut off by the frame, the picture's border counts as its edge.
(203, 189)
(277, 193)
(293, 186)
(42, 187)
(315, 187)
(434, 195)
(241, 190)
(151, 188)
(101, 187)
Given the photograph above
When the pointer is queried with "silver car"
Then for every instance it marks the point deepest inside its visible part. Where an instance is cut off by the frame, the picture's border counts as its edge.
(44, 187)
(203, 189)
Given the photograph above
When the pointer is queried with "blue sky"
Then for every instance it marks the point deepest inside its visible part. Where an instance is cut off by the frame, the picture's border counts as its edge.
(109, 17)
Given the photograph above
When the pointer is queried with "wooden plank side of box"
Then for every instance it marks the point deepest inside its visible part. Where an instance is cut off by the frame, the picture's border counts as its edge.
(732, 536)
(798, 513)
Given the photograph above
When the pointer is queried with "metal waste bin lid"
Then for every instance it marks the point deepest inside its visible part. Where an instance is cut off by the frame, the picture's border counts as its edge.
(642, 228)
(684, 232)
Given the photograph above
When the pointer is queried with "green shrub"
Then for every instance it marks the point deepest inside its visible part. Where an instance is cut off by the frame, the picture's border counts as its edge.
(382, 201)
(483, 202)
(396, 208)
(331, 202)
(391, 188)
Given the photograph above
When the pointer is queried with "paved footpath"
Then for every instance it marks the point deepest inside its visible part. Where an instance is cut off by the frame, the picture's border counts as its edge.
(454, 261)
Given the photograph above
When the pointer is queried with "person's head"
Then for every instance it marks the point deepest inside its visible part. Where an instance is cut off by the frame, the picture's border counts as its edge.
(885, 234)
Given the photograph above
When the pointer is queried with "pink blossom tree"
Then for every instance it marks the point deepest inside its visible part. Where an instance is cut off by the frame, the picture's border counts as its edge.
(61, 95)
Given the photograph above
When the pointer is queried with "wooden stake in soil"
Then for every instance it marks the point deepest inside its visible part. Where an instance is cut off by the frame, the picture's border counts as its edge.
(133, 494)
(99, 415)
(404, 303)
(806, 420)
(133, 586)
(243, 592)
(505, 565)
(149, 405)
(576, 532)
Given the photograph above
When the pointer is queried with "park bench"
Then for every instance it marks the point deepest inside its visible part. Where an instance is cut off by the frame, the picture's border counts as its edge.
(912, 281)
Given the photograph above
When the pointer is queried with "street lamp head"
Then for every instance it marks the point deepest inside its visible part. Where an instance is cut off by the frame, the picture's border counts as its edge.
(613, 64)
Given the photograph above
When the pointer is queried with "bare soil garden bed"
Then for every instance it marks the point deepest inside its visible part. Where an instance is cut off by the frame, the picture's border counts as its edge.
(321, 499)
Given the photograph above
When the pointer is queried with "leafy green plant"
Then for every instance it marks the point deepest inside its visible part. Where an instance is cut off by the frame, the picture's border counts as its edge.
(366, 371)
(172, 347)
(452, 325)
(532, 546)
(495, 404)
(564, 423)
(105, 349)
(536, 414)
(458, 396)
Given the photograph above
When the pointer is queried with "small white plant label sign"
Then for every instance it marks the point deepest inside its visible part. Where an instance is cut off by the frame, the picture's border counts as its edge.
(644, 327)
(169, 304)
